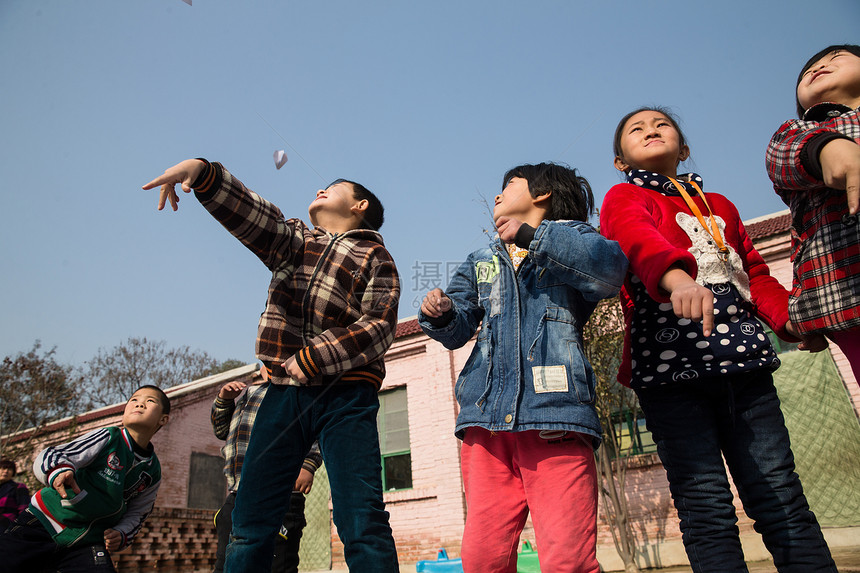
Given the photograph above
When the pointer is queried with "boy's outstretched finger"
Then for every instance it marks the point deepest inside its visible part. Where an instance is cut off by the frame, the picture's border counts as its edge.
(852, 191)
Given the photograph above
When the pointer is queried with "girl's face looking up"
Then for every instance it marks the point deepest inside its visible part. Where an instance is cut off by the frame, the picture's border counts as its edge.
(650, 141)
(833, 78)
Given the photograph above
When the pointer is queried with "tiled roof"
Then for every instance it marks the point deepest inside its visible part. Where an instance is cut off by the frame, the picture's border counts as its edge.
(407, 327)
(769, 225)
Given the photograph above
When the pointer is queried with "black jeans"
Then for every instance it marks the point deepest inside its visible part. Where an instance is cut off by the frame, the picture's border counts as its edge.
(343, 418)
(286, 557)
(27, 547)
(695, 425)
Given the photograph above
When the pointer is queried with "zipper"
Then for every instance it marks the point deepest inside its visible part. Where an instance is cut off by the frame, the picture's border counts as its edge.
(319, 265)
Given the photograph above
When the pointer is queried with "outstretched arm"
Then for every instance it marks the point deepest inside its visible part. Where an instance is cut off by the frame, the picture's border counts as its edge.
(184, 173)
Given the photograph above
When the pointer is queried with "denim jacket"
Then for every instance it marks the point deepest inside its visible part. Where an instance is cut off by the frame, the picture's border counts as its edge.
(527, 370)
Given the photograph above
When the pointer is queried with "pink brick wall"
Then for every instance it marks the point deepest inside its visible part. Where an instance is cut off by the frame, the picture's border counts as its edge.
(432, 513)
(188, 431)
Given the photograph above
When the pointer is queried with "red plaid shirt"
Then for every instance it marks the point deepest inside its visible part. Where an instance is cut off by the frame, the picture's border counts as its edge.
(825, 247)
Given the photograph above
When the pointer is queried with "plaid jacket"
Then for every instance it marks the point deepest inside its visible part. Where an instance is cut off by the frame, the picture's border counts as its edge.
(233, 420)
(825, 292)
(332, 299)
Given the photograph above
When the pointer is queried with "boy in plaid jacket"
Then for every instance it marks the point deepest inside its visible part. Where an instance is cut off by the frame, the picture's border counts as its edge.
(814, 162)
(330, 316)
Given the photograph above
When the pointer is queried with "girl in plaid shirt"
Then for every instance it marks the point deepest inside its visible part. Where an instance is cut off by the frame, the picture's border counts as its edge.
(814, 162)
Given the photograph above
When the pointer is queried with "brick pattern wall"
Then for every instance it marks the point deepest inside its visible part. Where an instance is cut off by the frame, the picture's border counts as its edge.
(172, 540)
(189, 430)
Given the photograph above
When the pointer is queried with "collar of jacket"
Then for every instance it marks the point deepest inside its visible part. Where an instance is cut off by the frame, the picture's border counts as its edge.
(825, 110)
(355, 234)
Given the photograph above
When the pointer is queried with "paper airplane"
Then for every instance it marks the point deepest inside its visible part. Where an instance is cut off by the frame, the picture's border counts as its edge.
(280, 158)
(187, 2)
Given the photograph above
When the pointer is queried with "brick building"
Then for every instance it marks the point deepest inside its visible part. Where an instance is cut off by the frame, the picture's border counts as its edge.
(421, 468)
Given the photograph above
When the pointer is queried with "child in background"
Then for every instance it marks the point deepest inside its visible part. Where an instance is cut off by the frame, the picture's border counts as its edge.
(706, 389)
(814, 163)
(100, 488)
(14, 497)
(233, 421)
(526, 394)
(330, 316)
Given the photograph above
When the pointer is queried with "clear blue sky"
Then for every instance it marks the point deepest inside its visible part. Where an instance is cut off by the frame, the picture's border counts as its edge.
(428, 104)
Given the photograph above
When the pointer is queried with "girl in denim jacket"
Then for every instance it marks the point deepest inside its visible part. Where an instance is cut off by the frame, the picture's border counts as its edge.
(526, 394)
(698, 358)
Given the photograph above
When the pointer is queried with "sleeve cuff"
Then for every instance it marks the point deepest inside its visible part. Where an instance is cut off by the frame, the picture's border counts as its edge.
(207, 179)
(306, 362)
(810, 153)
(439, 321)
(57, 471)
(525, 236)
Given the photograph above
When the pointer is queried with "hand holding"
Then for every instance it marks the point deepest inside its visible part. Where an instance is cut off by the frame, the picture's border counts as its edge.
(507, 228)
(435, 303)
(66, 480)
(809, 342)
(113, 539)
(230, 390)
(184, 173)
(304, 482)
(292, 368)
(840, 168)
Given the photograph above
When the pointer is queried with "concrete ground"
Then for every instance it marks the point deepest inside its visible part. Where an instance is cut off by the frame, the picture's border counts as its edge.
(847, 561)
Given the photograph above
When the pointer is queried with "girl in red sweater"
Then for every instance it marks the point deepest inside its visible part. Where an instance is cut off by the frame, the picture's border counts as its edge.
(699, 359)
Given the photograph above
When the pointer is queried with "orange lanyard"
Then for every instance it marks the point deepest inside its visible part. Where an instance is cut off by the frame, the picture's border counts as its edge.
(712, 229)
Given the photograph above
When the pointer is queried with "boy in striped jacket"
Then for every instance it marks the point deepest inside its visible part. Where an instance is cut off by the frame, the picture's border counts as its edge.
(98, 491)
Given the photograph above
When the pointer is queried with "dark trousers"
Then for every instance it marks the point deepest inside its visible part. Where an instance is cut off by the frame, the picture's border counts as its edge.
(286, 556)
(343, 418)
(27, 547)
(697, 423)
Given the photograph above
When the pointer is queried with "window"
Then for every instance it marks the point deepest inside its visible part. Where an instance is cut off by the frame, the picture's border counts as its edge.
(393, 425)
(207, 485)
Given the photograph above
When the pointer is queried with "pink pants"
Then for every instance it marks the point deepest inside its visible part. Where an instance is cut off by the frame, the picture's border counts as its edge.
(849, 344)
(509, 473)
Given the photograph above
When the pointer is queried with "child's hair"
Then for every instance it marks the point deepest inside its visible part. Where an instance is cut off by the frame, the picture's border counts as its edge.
(374, 215)
(673, 119)
(8, 465)
(571, 197)
(842, 47)
(162, 397)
